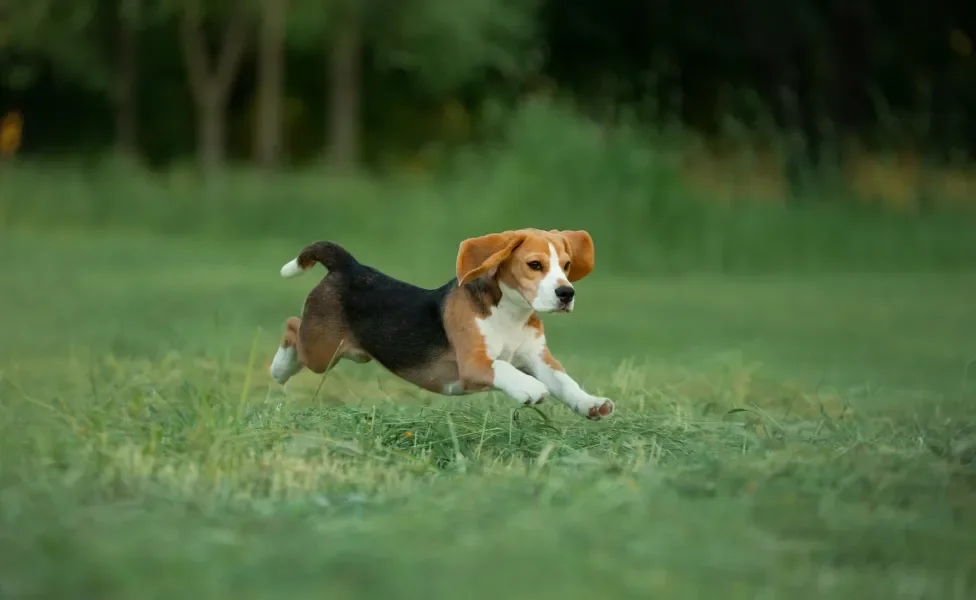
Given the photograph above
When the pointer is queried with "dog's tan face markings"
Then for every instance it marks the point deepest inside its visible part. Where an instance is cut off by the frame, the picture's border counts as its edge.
(533, 262)
(540, 255)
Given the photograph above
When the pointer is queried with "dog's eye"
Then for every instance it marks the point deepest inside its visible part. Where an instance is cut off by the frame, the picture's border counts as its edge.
(535, 265)
(566, 268)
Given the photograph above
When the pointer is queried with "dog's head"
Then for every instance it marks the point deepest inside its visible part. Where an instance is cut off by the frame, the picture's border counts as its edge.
(540, 266)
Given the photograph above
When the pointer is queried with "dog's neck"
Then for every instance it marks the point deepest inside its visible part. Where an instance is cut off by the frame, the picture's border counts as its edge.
(491, 297)
(512, 307)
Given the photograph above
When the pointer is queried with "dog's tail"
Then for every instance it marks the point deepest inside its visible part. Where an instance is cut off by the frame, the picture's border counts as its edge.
(331, 255)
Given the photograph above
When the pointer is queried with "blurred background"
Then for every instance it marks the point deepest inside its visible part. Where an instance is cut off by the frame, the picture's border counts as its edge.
(692, 135)
(782, 200)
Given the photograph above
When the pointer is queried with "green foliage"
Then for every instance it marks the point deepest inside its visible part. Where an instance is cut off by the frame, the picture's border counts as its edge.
(66, 33)
(706, 61)
(308, 23)
(447, 44)
(444, 45)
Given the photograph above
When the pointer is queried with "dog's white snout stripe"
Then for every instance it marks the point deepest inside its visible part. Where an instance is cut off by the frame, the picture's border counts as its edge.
(555, 278)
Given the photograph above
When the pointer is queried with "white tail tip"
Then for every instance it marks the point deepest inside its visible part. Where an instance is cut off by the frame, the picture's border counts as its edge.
(292, 269)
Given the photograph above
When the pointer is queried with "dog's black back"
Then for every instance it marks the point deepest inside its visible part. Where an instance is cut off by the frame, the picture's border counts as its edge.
(399, 324)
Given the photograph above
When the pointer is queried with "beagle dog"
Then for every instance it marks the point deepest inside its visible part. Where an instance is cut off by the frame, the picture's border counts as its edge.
(479, 331)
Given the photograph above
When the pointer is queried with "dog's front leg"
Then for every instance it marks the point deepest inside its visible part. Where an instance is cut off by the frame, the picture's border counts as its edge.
(549, 371)
(503, 376)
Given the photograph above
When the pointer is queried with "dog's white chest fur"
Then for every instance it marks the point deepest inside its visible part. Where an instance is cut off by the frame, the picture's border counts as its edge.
(506, 332)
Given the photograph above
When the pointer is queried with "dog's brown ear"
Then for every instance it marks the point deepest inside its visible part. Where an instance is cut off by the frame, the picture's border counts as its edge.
(581, 253)
(477, 256)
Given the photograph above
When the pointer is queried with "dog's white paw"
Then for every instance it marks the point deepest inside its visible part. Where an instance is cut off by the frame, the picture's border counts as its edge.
(522, 387)
(284, 365)
(531, 391)
(594, 408)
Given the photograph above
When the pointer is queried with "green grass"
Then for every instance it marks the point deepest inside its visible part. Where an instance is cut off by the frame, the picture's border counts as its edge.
(777, 436)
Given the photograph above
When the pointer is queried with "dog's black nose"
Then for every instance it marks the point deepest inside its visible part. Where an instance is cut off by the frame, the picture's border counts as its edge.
(565, 293)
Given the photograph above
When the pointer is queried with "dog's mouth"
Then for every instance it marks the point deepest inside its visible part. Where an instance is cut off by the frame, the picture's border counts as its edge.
(564, 307)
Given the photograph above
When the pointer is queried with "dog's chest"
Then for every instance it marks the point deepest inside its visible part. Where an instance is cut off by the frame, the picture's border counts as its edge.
(508, 336)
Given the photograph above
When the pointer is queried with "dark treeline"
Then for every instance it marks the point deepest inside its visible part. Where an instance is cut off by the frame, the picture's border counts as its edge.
(282, 82)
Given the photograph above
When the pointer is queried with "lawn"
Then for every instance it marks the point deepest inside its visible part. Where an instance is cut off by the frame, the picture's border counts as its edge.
(776, 437)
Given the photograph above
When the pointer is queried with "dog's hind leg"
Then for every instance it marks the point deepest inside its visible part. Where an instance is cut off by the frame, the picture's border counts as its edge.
(287, 362)
(318, 340)
(324, 338)
(323, 342)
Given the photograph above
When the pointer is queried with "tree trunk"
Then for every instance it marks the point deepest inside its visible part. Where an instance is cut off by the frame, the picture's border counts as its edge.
(211, 129)
(344, 92)
(126, 100)
(211, 86)
(271, 76)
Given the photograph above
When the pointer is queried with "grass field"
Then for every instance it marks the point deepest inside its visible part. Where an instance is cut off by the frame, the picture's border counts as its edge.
(776, 437)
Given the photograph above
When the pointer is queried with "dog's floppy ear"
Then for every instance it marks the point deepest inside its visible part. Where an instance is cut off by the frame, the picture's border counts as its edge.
(581, 253)
(477, 256)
